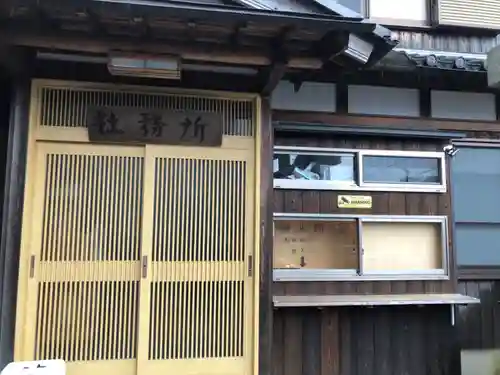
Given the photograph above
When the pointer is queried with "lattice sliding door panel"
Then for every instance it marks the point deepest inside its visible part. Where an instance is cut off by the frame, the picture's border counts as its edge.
(92, 208)
(196, 320)
(87, 321)
(199, 268)
(66, 107)
(88, 257)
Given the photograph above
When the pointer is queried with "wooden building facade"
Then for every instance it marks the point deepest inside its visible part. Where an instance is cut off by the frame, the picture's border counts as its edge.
(416, 338)
(306, 226)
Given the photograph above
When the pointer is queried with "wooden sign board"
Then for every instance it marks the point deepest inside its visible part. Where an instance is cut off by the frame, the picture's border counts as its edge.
(354, 201)
(133, 125)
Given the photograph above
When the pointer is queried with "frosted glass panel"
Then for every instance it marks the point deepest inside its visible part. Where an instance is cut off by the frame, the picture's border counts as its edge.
(476, 185)
(401, 246)
(478, 244)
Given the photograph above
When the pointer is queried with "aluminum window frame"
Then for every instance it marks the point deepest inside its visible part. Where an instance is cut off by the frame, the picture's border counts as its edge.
(424, 24)
(359, 274)
(404, 187)
(317, 185)
(358, 184)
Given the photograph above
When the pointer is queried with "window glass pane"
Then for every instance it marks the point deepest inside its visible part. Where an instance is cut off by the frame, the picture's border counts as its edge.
(478, 244)
(303, 166)
(315, 245)
(475, 175)
(354, 5)
(398, 169)
(410, 10)
(393, 246)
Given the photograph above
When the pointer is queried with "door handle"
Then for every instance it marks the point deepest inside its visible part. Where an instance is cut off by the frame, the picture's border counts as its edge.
(32, 266)
(144, 266)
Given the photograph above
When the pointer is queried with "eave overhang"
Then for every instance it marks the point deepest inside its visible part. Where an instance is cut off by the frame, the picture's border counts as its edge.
(220, 14)
(345, 20)
(299, 26)
(276, 41)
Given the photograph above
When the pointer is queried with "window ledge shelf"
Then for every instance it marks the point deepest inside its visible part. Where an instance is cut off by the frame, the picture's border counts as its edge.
(287, 275)
(373, 300)
(284, 184)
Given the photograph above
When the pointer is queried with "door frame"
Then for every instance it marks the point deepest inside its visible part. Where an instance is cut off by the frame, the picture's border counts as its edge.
(34, 135)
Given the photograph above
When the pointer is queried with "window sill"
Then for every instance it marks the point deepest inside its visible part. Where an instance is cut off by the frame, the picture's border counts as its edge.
(335, 186)
(403, 23)
(283, 275)
(373, 300)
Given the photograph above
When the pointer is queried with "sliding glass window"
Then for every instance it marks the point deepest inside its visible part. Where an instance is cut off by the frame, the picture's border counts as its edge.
(341, 247)
(365, 170)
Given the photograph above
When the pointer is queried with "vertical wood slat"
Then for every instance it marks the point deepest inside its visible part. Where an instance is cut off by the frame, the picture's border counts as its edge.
(293, 326)
(344, 333)
(267, 349)
(362, 326)
(477, 325)
(330, 342)
(382, 343)
(311, 333)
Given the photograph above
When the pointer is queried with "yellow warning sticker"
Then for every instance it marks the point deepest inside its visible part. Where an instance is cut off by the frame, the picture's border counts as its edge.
(354, 201)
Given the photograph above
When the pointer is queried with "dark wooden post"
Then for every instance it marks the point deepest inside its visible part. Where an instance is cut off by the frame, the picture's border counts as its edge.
(5, 94)
(12, 214)
(266, 243)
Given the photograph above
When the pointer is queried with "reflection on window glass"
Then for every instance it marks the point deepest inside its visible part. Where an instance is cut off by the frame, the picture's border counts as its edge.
(354, 5)
(332, 167)
(397, 169)
(476, 172)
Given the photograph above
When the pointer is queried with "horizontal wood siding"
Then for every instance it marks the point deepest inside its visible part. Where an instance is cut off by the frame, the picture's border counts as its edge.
(383, 203)
(363, 341)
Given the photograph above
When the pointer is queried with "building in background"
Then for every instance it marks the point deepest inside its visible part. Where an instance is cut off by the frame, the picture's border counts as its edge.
(248, 187)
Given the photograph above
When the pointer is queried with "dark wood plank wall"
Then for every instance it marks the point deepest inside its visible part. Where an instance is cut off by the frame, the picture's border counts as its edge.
(383, 203)
(265, 271)
(478, 326)
(408, 340)
(12, 214)
(5, 92)
(382, 340)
